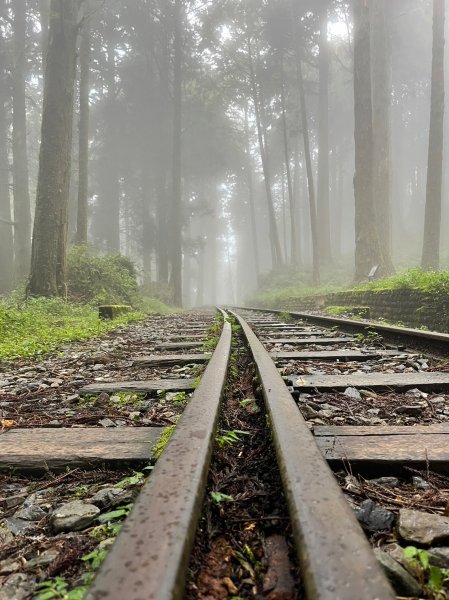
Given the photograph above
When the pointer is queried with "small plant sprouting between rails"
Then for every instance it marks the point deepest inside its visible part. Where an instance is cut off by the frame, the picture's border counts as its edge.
(218, 497)
(248, 560)
(371, 337)
(122, 399)
(229, 438)
(285, 316)
(114, 515)
(431, 577)
(163, 440)
(58, 589)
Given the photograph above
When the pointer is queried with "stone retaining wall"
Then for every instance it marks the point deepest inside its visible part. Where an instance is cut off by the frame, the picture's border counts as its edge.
(413, 308)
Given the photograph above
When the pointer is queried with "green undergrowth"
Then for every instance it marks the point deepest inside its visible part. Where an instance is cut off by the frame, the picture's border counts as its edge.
(43, 324)
(432, 282)
(40, 325)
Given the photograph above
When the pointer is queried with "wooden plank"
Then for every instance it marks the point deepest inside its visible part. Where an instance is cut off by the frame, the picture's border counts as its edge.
(304, 332)
(55, 449)
(311, 340)
(345, 355)
(187, 336)
(393, 450)
(170, 359)
(397, 381)
(179, 345)
(168, 385)
(353, 430)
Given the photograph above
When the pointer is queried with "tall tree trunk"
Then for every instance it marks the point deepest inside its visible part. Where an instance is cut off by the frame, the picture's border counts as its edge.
(44, 13)
(310, 182)
(432, 222)
(249, 174)
(47, 276)
(367, 246)
(276, 252)
(6, 228)
(162, 247)
(294, 246)
(22, 210)
(176, 224)
(381, 86)
(83, 125)
(323, 209)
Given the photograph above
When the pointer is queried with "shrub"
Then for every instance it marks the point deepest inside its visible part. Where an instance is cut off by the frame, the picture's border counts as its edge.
(109, 279)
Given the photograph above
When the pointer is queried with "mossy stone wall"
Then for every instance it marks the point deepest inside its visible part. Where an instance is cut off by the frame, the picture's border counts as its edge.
(413, 308)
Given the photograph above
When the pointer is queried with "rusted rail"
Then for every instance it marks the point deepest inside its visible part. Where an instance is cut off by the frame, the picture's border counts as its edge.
(336, 560)
(416, 338)
(150, 556)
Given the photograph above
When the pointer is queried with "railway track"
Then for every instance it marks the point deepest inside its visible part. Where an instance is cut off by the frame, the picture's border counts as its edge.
(352, 417)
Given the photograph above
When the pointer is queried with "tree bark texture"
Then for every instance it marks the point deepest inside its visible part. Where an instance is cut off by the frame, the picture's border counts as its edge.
(83, 126)
(367, 246)
(432, 220)
(381, 87)
(22, 209)
(47, 276)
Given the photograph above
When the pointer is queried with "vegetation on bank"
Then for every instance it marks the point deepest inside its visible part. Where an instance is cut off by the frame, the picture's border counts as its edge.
(31, 326)
(432, 282)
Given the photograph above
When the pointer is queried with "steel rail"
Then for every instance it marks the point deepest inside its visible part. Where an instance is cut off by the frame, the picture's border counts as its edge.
(336, 560)
(150, 557)
(419, 338)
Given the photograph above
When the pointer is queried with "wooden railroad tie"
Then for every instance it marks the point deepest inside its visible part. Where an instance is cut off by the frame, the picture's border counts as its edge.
(167, 385)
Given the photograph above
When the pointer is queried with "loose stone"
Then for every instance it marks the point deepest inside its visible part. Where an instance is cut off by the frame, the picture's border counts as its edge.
(422, 528)
(403, 583)
(73, 516)
(373, 518)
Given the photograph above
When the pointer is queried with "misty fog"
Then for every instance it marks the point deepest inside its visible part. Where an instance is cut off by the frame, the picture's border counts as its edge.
(215, 143)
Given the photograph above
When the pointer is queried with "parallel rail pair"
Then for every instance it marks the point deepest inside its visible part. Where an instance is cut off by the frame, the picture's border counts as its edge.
(149, 559)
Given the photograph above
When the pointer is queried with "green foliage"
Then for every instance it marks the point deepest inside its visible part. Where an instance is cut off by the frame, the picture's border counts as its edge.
(229, 438)
(218, 497)
(109, 279)
(134, 399)
(115, 515)
(432, 578)
(163, 440)
(43, 324)
(433, 282)
(136, 479)
(57, 589)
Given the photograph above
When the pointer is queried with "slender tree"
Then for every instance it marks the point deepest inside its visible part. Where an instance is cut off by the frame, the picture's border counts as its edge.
(432, 222)
(367, 245)
(83, 137)
(47, 277)
(176, 224)
(382, 93)
(22, 209)
(6, 226)
(323, 209)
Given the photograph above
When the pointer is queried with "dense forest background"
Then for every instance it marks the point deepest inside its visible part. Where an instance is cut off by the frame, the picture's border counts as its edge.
(215, 142)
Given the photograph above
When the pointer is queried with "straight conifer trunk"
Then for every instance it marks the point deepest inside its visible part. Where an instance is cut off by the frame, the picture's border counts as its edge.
(176, 225)
(323, 208)
(22, 209)
(381, 78)
(48, 258)
(83, 141)
(432, 221)
(6, 228)
(367, 245)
